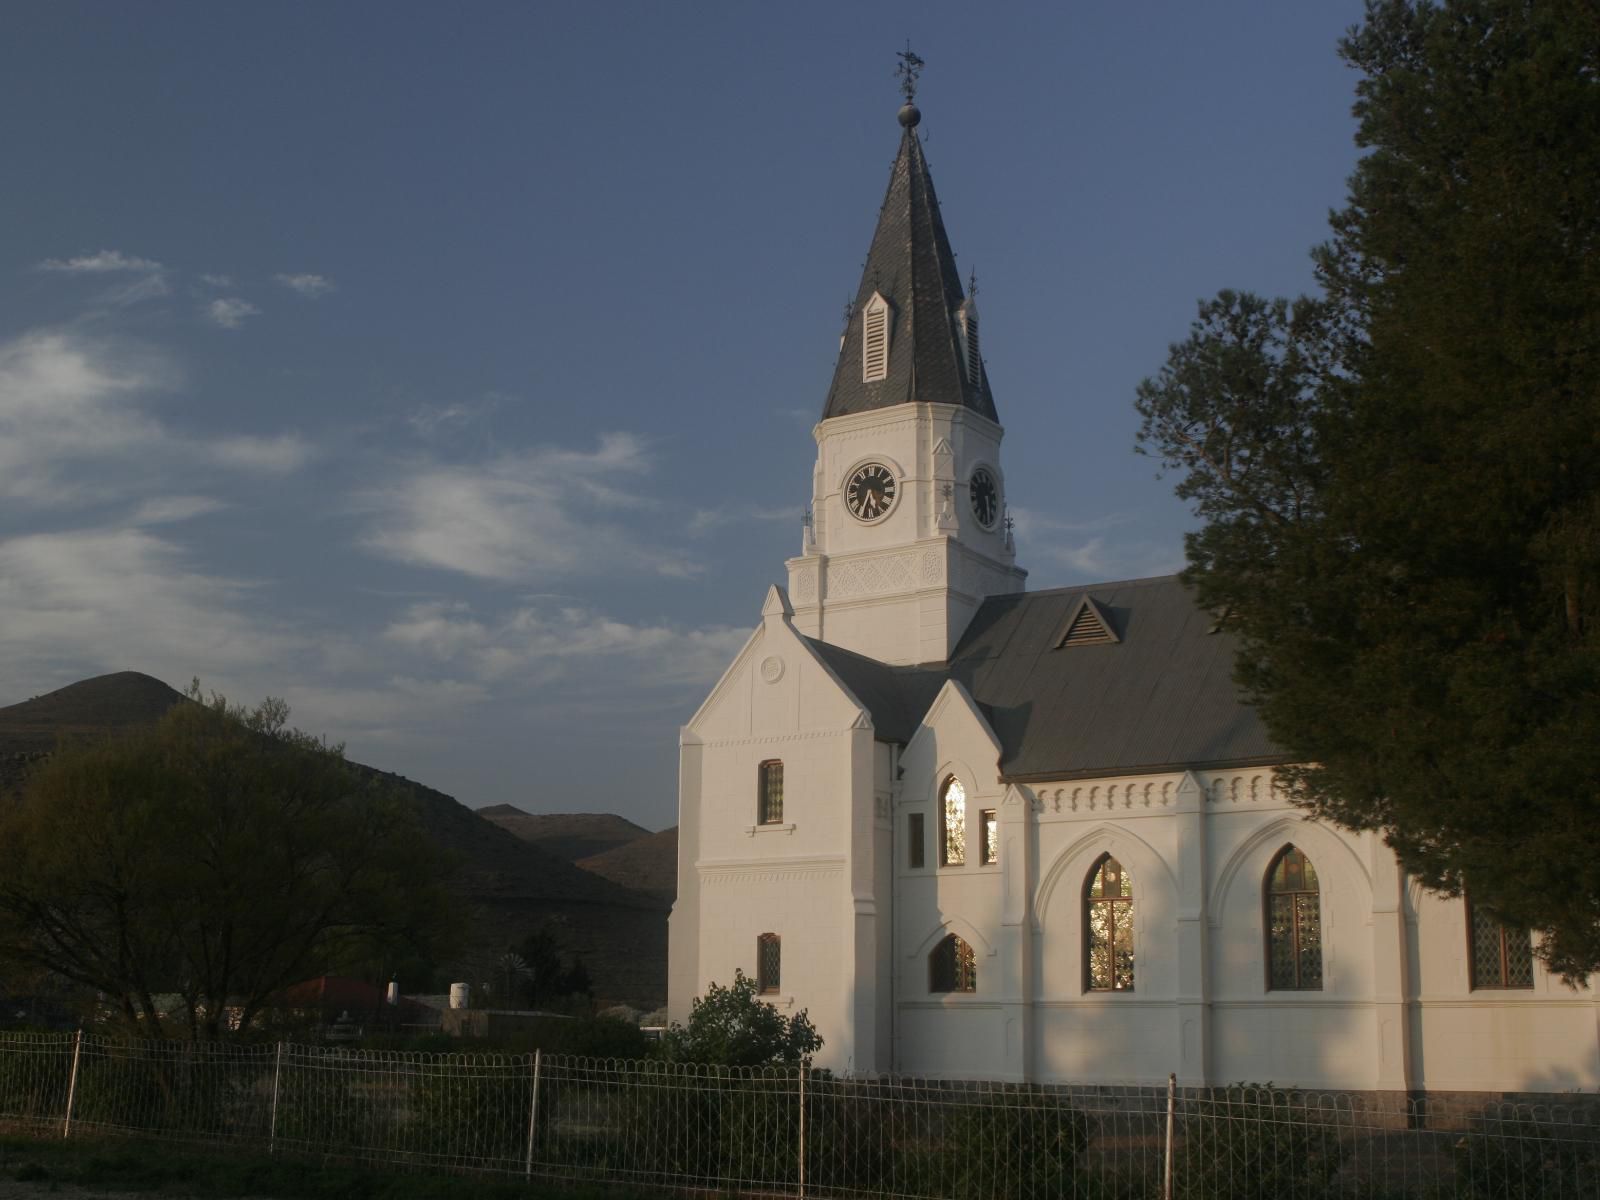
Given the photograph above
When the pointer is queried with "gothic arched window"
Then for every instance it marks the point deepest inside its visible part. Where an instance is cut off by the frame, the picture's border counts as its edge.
(1294, 924)
(1501, 957)
(952, 823)
(952, 967)
(1108, 928)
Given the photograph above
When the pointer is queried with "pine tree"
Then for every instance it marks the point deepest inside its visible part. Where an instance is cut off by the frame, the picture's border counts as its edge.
(1400, 478)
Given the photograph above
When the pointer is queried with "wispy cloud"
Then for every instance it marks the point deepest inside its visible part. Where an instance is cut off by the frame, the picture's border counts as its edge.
(230, 312)
(124, 599)
(309, 286)
(148, 282)
(216, 281)
(707, 520)
(273, 455)
(100, 262)
(430, 420)
(564, 641)
(165, 510)
(544, 513)
(68, 400)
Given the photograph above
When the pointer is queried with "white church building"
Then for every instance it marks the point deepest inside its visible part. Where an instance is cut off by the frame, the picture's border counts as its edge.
(982, 832)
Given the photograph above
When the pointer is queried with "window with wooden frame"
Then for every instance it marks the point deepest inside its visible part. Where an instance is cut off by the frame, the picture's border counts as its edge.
(1294, 923)
(769, 792)
(1500, 957)
(990, 850)
(952, 967)
(952, 823)
(916, 838)
(769, 964)
(1108, 928)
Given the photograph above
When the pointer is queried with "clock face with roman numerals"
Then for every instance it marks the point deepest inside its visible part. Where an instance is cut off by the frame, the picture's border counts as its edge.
(985, 497)
(870, 492)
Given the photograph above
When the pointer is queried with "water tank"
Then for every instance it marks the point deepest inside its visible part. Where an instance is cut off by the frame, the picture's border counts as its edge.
(459, 995)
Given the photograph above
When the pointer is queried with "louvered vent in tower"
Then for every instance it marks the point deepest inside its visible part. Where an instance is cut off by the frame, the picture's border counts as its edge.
(971, 355)
(875, 339)
(1086, 625)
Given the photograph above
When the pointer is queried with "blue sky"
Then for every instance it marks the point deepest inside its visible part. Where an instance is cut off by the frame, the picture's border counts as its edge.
(450, 371)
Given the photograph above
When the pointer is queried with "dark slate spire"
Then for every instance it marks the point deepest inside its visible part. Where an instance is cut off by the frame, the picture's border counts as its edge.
(910, 263)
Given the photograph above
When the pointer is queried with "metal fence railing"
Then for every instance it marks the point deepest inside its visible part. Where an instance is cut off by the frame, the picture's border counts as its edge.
(783, 1131)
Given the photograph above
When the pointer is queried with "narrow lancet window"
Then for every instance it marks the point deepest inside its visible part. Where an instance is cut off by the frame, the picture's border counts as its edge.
(1294, 924)
(952, 823)
(1108, 932)
(991, 836)
(769, 792)
(769, 963)
(952, 967)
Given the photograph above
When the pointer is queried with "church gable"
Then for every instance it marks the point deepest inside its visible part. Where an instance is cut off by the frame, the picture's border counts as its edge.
(776, 685)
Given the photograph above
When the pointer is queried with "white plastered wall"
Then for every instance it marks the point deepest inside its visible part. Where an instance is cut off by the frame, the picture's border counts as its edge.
(802, 877)
(901, 589)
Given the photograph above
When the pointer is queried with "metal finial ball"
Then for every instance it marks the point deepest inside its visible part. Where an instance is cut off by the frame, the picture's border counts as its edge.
(910, 114)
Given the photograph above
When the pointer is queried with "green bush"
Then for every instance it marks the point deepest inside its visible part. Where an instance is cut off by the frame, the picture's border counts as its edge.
(1249, 1142)
(1528, 1159)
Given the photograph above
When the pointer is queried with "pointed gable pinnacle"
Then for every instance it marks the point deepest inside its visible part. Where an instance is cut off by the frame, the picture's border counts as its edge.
(911, 267)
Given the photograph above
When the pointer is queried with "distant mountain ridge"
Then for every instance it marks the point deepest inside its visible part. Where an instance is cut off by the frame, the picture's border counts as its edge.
(570, 836)
(648, 864)
(515, 886)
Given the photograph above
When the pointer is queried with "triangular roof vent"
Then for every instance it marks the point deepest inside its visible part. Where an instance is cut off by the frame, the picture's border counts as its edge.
(1086, 625)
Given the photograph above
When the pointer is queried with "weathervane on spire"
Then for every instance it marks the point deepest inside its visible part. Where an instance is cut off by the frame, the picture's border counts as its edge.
(908, 70)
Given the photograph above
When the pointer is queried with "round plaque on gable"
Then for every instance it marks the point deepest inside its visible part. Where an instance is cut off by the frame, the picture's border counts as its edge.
(772, 668)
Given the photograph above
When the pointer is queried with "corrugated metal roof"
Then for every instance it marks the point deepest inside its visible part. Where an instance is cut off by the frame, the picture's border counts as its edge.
(1161, 698)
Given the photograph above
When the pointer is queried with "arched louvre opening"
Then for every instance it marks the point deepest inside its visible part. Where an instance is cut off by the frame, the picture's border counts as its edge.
(1108, 928)
(1294, 923)
(952, 966)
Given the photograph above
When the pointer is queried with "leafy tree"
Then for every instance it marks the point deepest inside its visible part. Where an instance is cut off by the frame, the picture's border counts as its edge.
(731, 1026)
(218, 854)
(1400, 478)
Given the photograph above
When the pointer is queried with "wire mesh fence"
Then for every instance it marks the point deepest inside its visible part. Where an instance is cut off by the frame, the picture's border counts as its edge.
(783, 1131)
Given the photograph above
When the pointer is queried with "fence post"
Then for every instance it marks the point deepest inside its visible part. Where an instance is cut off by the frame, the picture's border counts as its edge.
(72, 1082)
(277, 1077)
(802, 1164)
(533, 1113)
(1166, 1166)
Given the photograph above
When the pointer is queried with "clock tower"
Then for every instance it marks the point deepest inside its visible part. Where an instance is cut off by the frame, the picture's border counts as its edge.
(907, 531)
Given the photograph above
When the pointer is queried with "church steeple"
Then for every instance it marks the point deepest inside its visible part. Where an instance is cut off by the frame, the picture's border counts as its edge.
(910, 303)
(907, 530)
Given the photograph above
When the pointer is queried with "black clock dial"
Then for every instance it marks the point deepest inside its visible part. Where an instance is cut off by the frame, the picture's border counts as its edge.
(985, 497)
(870, 492)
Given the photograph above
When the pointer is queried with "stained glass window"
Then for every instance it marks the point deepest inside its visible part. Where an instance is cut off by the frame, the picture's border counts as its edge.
(914, 840)
(769, 961)
(770, 792)
(952, 824)
(952, 967)
(1294, 924)
(1501, 957)
(1108, 940)
(991, 835)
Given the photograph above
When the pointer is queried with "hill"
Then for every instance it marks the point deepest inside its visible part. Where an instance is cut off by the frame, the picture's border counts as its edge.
(512, 887)
(648, 864)
(569, 836)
